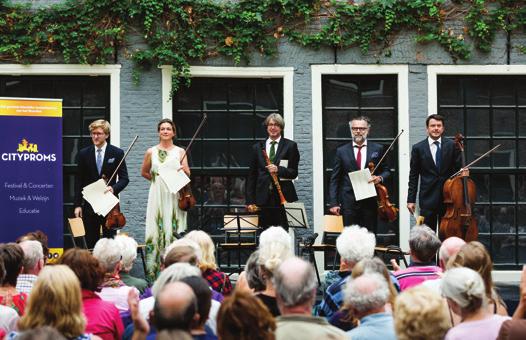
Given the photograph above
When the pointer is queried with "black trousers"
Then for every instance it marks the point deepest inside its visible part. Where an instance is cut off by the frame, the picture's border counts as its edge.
(432, 217)
(273, 213)
(93, 223)
(363, 213)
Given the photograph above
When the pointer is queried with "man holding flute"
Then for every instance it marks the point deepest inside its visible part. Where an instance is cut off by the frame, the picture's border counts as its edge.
(273, 166)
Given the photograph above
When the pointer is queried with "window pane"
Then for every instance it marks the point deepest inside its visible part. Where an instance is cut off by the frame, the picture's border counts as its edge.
(70, 148)
(522, 122)
(216, 126)
(269, 95)
(69, 188)
(478, 122)
(482, 184)
(241, 125)
(504, 156)
(482, 212)
(70, 90)
(71, 121)
(522, 249)
(522, 153)
(378, 91)
(198, 189)
(503, 249)
(454, 121)
(195, 157)
(330, 152)
(40, 88)
(239, 154)
(90, 115)
(477, 90)
(387, 127)
(237, 190)
(521, 182)
(241, 96)
(341, 92)
(503, 122)
(503, 89)
(93, 96)
(476, 148)
(502, 188)
(337, 124)
(216, 191)
(186, 123)
(449, 91)
(521, 218)
(215, 94)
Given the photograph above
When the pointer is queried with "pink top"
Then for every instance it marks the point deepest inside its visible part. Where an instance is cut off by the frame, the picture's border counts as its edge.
(481, 329)
(415, 275)
(103, 317)
(118, 296)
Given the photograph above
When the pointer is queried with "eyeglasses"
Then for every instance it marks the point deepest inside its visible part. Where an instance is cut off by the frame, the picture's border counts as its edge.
(359, 128)
(97, 134)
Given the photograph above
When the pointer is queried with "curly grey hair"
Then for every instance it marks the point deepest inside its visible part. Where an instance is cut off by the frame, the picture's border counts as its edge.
(355, 243)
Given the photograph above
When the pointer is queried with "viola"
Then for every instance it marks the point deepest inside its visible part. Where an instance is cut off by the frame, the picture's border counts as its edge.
(460, 194)
(386, 210)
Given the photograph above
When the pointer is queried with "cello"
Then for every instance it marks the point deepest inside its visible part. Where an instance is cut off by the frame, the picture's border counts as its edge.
(459, 193)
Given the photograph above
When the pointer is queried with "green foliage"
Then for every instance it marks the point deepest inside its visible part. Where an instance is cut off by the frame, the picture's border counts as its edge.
(180, 32)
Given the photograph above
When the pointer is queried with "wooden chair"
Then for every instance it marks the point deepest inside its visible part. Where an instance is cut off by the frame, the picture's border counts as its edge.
(240, 235)
(76, 226)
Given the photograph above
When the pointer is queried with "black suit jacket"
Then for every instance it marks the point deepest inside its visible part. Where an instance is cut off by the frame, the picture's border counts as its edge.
(87, 170)
(341, 192)
(431, 179)
(259, 178)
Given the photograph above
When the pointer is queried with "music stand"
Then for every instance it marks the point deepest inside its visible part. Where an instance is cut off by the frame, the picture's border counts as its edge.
(239, 222)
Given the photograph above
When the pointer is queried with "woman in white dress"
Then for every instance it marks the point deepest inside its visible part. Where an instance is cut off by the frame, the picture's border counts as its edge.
(163, 216)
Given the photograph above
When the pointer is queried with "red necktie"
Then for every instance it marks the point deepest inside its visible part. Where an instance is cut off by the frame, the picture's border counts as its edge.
(359, 156)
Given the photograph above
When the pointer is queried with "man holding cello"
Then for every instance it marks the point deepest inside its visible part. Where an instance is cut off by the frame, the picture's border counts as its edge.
(433, 161)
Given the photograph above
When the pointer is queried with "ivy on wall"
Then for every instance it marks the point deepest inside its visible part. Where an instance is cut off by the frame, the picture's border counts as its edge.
(178, 32)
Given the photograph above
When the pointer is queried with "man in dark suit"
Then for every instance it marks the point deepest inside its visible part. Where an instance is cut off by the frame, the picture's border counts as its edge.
(93, 162)
(261, 191)
(433, 161)
(350, 157)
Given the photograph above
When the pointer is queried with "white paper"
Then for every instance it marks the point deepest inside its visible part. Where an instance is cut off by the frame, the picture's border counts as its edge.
(296, 215)
(284, 163)
(360, 184)
(102, 202)
(173, 176)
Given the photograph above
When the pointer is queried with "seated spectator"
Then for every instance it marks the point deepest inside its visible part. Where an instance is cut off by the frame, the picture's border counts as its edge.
(103, 317)
(243, 316)
(516, 329)
(274, 248)
(343, 319)
(296, 284)
(13, 258)
(8, 316)
(40, 333)
(449, 248)
(129, 254)
(249, 279)
(56, 302)
(219, 281)
(173, 334)
(423, 247)
(33, 263)
(475, 256)
(203, 294)
(175, 308)
(39, 236)
(420, 314)
(466, 296)
(353, 244)
(112, 289)
(366, 297)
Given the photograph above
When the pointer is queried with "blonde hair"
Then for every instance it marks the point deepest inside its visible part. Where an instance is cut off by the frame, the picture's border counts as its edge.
(208, 258)
(55, 301)
(420, 314)
(100, 123)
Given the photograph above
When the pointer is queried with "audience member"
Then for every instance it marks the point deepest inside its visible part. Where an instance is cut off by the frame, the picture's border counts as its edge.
(274, 248)
(102, 317)
(40, 333)
(129, 254)
(449, 248)
(516, 329)
(420, 314)
(33, 263)
(172, 334)
(113, 290)
(219, 281)
(475, 256)
(353, 244)
(8, 316)
(56, 301)
(366, 297)
(423, 247)
(243, 316)
(466, 296)
(203, 294)
(13, 257)
(249, 279)
(39, 236)
(295, 283)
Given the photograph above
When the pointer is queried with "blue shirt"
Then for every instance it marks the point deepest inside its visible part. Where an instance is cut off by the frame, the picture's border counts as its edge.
(333, 297)
(379, 326)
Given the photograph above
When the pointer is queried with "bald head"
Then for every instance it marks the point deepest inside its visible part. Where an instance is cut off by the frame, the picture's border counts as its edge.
(295, 283)
(450, 247)
(175, 307)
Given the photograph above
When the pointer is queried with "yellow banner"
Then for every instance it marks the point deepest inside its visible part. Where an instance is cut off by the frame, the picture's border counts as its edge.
(30, 107)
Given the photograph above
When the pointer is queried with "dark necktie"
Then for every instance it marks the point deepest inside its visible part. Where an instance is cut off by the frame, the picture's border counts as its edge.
(272, 153)
(438, 155)
(359, 156)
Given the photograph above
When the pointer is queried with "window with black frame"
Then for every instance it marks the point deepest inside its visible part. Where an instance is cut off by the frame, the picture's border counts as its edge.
(85, 99)
(374, 96)
(491, 110)
(219, 158)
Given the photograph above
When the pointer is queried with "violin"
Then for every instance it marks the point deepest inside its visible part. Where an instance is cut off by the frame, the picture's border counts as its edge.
(186, 199)
(459, 193)
(386, 210)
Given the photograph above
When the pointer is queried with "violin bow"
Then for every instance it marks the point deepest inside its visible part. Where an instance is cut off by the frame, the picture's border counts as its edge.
(475, 161)
(195, 135)
(386, 152)
(123, 158)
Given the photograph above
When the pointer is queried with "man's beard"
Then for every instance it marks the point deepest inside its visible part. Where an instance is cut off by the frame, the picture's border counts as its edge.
(358, 139)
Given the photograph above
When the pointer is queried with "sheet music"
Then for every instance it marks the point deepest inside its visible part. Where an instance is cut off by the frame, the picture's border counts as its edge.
(173, 176)
(296, 214)
(360, 184)
(101, 202)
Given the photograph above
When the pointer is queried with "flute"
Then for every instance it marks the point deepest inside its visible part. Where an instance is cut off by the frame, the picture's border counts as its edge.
(274, 178)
